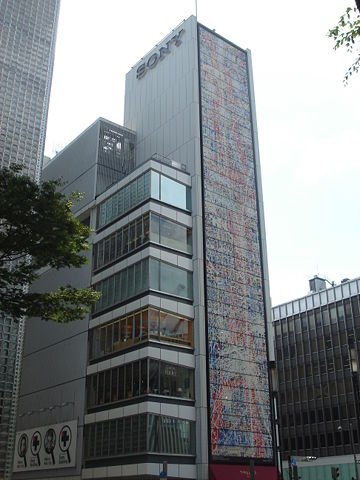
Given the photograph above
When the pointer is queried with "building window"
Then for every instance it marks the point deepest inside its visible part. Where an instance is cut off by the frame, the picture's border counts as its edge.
(145, 433)
(149, 185)
(138, 278)
(143, 377)
(145, 229)
(139, 326)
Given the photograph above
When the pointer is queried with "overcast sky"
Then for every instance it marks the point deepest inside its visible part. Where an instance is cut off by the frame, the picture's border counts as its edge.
(308, 121)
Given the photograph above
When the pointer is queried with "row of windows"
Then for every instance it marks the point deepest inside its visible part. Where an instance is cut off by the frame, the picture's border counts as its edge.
(295, 393)
(330, 314)
(320, 366)
(140, 277)
(148, 185)
(313, 417)
(148, 323)
(143, 377)
(146, 433)
(149, 227)
(323, 440)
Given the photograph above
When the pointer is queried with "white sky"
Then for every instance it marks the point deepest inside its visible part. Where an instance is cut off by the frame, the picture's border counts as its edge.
(308, 121)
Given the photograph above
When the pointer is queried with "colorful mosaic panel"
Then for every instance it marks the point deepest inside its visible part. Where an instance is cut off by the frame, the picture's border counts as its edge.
(238, 376)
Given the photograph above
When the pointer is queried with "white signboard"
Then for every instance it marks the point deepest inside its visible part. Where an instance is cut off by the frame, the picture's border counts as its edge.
(46, 447)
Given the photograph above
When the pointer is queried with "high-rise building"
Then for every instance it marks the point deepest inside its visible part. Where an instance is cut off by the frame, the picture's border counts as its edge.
(317, 358)
(169, 374)
(27, 42)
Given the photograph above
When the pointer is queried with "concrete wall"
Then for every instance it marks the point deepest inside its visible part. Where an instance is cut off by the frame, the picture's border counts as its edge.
(76, 165)
(54, 369)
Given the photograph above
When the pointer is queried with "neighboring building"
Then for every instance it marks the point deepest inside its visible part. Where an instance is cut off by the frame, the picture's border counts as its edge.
(317, 353)
(174, 356)
(27, 43)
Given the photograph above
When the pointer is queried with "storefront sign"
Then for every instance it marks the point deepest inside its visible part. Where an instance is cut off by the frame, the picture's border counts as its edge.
(153, 60)
(46, 447)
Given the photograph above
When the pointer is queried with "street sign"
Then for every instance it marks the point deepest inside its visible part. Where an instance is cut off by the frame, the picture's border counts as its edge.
(163, 474)
(293, 462)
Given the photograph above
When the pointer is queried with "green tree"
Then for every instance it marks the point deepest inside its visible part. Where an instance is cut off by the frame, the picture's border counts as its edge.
(346, 34)
(38, 229)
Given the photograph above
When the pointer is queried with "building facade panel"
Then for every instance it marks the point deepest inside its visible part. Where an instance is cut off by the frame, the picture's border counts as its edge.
(237, 387)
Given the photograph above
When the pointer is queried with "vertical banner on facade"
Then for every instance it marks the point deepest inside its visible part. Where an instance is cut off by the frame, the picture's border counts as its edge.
(240, 418)
(46, 447)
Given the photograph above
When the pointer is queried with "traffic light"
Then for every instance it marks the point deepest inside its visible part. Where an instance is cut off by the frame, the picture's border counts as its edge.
(335, 473)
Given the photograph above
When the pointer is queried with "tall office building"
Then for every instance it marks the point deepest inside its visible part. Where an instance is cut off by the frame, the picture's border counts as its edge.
(172, 364)
(317, 356)
(27, 42)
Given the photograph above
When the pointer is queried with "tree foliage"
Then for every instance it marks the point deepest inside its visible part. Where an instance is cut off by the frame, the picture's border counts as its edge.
(346, 34)
(38, 229)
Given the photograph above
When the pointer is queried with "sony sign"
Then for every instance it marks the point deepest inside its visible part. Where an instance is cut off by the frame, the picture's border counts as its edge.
(153, 60)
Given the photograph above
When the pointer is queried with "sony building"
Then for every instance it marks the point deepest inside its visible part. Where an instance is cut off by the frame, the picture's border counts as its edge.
(27, 46)
(317, 356)
(171, 367)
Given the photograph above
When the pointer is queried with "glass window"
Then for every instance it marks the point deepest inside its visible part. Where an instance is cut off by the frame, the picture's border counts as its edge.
(136, 379)
(132, 236)
(144, 324)
(143, 377)
(129, 330)
(133, 196)
(154, 274)
(121, 384)
(120, 200)
(138, 283)
(125, 240)
(173, 192)
(137, 330)
(155, 228)
(139, 238)
(116, 341)
(145, 275)
(114, 385)
(175, 281)
(147, 177)
(154, 377)
(101, 397)
(109, 339)
(154, 323)
(119, 243)
(140, 189)
(146, 228)
(123, 284)
(112, 438)
(127, 435)
(128, 381)
(155, 185)
(126, 198)
(174, 235)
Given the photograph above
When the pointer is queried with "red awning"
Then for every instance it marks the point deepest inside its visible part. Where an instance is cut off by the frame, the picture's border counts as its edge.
(241, 472)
